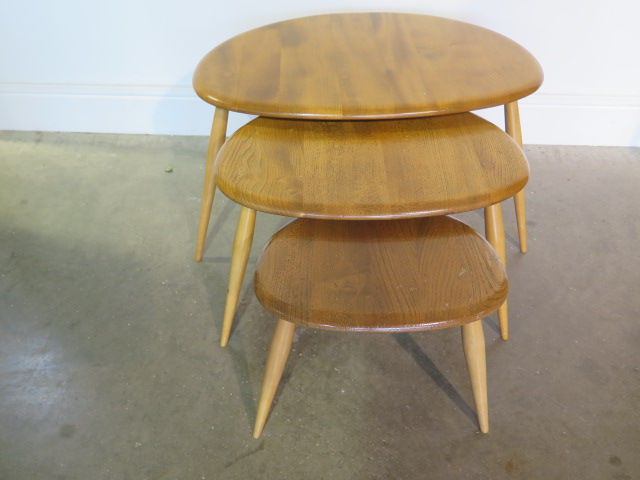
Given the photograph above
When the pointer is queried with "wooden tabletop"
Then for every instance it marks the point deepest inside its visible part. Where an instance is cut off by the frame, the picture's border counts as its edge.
(416, 274)
(370, 169)
(365, 66)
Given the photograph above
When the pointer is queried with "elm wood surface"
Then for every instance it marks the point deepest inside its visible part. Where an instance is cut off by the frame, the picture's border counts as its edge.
(218, 131)
(367, 170)
(371, 169)
(365, 66)
(395, 275)
(379, 276)
(242, 245)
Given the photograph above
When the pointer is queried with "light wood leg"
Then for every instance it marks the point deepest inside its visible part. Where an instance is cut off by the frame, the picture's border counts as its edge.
(239, 258)
(521, 219)
(474, 352)
(513, 128)
(216, 140)
(494, 228)
(512, 122)
(276, 359)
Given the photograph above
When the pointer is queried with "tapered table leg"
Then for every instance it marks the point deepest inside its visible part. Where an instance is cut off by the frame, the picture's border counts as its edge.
(494, 228)
(474, 352)
(276, 359)
(239, 258)
(216, 140)
(521, 219)
(513, 128)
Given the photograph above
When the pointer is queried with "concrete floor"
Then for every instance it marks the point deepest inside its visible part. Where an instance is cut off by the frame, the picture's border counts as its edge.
(110, 366)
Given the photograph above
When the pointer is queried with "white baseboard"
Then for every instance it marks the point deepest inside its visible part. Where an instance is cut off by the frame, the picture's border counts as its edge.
(546, 119)
(607, 120)
(104, 109)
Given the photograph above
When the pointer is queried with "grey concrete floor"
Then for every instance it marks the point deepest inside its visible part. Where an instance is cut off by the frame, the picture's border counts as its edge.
(110, 366)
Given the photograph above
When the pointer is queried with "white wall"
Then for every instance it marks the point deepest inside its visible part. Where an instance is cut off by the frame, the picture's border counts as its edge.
(126, 65)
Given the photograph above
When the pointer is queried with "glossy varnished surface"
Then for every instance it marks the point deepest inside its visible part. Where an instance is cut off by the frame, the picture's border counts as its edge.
(370, 169)
(416, 274)
(366, 65)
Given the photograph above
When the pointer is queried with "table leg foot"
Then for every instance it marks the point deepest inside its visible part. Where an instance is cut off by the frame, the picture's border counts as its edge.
(239, 258)
(514, 129)
(474, 352)
(216, 140)
(276, 359)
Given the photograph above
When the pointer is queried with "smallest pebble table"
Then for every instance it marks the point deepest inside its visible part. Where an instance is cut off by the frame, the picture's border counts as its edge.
(379, 276)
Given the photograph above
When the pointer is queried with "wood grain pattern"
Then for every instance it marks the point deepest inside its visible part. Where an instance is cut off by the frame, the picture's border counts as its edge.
(396, 275)
(374, 169)
(364, 66)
